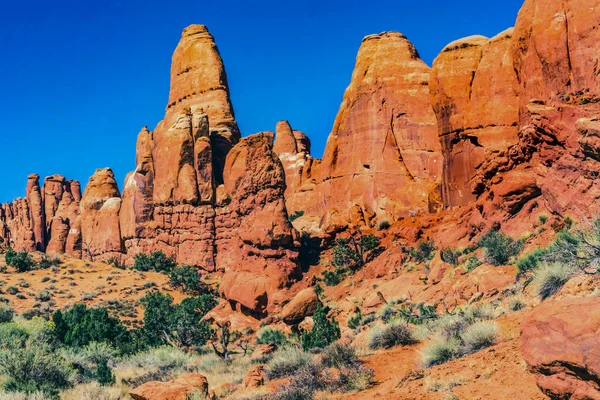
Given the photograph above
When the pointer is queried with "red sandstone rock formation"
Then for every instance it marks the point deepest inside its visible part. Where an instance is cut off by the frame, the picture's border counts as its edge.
(178, 389)
(100, 206)
(561, 345)
(474, 92)
(46, 220)
(383, 158)
(257, 252)
(383, 154)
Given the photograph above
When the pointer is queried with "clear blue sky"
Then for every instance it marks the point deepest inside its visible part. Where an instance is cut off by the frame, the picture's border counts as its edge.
(79, 78)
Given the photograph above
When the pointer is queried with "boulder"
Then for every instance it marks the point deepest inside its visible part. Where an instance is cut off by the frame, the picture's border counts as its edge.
(560, 342)
(178, 389)
(254, 378)
(301, 306)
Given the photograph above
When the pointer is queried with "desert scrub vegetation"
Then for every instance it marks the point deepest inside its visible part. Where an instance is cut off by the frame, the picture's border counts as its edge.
(549, 278)
(573, 252)
(456, 335)
(268, 335)
(499, 247)
(391, 335)
(286, 362)
(324, 331)
(316, 374)
(87, 352)
(350, 255)
(21, 262)
(422, 252)
(157, 262)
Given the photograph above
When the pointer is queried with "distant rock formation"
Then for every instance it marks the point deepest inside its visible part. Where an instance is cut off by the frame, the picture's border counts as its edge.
(47, 219)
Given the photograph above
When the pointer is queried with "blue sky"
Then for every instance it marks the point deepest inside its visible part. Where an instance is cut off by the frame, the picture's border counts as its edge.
(79, 78)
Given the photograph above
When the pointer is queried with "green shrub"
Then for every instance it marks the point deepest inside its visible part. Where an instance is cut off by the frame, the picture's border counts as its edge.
(156, 261)
(450, 256)
(354, 320)
(6, 314)
(472, 263)
(43, 295)
(349, 253)
(186, 278)
(388, 336)
(531, 260)
(333, 278)
(551, 277)
(543, 218)
(349, 256)
(440, 350)
(12, 290)
(417, 314)
(269, 335)
(339, 355)
(34, 368)
(165, 322)
(383, 225)
(323, 333)
(296, 215)
(479, 336)
(22, 262)
(516, 303)
(116, 262)
(79, 326)
(46, 262)
(286, 362)
(499, 248)
(423, 251)
(387, 312)
(104, 374)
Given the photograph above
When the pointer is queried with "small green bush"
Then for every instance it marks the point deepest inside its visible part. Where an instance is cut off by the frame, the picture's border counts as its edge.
(156, 261)
(450, 255)
(296, 215)
(166, 322)
(499, 248)
(268, 335)
(479, 336)
(333, 278)
(43, 295)
(531, 260)
(551, 277)
(34, 368)
(388, 336)
(423, 251)
(354, 320)
(339, 355)
(187, 278)
(543, 218)
(324, 332)
(472, 263)
(383, 225)
(12, 290)
(104, 374)
(440, 350)
(79, 326)
(387, 312)
(22, 262)
(286, 362)
(6, 314)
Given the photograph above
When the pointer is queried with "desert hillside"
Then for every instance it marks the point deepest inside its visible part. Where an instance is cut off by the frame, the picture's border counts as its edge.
(445, 246)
